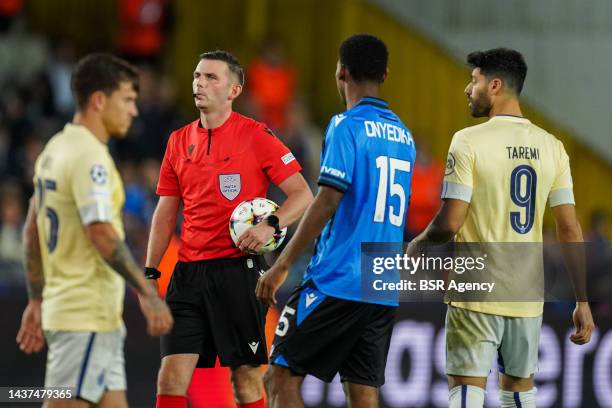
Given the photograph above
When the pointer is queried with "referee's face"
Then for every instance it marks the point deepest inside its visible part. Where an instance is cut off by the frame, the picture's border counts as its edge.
(213, 85)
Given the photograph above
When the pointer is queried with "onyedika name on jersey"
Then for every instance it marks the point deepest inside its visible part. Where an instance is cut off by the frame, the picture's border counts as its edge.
(523, 152)
(387, 131)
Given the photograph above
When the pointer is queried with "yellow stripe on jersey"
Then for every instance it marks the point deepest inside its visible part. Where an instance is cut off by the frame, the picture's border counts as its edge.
(77, 183)
(506, 168)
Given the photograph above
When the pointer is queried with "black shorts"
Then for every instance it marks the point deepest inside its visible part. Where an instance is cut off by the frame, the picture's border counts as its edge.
(216, 312)
(322, 335)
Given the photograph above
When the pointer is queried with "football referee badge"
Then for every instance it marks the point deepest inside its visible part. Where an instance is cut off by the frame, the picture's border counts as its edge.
(230, 185)
(98, 174)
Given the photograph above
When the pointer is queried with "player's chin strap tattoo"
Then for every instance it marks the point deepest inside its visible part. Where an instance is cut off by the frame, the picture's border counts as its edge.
(35, 279)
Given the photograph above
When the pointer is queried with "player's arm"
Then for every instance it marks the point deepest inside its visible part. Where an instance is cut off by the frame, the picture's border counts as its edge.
(162, 229)
(30, 336)
(116, 253)
(569, 234)
(299, 197)
(35, 279)
(456, 193)
(446, 223)
(317, 215)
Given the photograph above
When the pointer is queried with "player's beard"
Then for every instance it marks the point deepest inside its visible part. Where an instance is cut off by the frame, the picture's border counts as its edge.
(480, 106)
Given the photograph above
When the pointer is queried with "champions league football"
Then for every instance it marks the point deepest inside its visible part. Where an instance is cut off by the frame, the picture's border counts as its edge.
(250, 213)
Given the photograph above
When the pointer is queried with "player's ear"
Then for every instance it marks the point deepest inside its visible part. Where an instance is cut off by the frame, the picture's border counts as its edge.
(97, 100)
(385, 75)
(342, 72)
(495, 86)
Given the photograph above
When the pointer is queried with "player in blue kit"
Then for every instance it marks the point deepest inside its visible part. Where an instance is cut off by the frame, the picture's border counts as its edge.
(328, 326)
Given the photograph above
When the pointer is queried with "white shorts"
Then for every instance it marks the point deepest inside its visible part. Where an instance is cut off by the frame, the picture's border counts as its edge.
(88, 362)
(474, 339)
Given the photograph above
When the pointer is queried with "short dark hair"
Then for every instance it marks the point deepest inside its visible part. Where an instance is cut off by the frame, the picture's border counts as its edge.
(227, 57)
(100, 72)
(507, 64)
(365, 56)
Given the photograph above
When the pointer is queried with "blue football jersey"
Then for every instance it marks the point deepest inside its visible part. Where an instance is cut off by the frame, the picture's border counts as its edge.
(368, 154)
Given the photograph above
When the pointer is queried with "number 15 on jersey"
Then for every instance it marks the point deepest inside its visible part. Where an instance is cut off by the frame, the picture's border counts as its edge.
(388, 169)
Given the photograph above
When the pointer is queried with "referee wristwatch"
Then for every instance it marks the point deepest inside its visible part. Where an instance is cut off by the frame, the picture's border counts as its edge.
(272, 220)
(152, 273)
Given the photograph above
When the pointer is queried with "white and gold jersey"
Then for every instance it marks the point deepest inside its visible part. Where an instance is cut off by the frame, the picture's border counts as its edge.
(507, 169)
(76, 184)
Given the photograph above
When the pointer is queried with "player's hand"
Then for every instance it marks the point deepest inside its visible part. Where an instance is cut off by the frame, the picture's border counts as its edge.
(412, 249)
(30, 337)
(157, 314)
(416, 246)
(252, 240)
(269, 282)
(583, 320)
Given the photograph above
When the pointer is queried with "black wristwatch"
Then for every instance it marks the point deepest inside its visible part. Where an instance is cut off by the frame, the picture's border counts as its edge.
(272, 220)
(152, 273)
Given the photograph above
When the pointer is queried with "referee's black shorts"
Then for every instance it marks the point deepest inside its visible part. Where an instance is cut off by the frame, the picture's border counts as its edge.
(216, 312)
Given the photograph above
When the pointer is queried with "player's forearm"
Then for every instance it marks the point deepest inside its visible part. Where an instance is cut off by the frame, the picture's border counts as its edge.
(310, 227)
(435, 233)
(32, 261)
(294, 206)
(446, 223)
(163, 225)
(573, 252)
(123, 263)
(117, 255)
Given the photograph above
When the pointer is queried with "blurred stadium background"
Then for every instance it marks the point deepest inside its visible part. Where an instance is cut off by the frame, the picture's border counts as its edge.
(289, 48)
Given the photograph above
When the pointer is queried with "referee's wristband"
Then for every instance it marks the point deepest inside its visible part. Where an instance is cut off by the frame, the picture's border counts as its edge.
(152, 273)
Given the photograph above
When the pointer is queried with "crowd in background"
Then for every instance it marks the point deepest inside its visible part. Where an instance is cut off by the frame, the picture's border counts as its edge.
(35, 103)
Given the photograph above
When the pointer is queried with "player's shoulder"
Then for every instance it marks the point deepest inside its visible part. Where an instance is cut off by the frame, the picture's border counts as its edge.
(545, 135)
(76, 142)
(473, 131)
(341, 123)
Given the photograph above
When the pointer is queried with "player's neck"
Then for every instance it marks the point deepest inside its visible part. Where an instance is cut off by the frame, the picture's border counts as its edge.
(356, 93)
(508, 106)
(93, 123)
(211, 120)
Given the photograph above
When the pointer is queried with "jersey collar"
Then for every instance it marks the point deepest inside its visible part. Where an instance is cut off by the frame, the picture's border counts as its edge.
(511, 118)
(370, 100)
(232, 117)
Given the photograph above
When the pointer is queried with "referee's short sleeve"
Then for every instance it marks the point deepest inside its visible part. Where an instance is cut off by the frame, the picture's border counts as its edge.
(276, 160)
(168, 184)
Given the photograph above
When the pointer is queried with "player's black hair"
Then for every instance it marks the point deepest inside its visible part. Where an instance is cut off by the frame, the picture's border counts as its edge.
(365, 56)
(504, 63)
(100, 72)
(231, 61)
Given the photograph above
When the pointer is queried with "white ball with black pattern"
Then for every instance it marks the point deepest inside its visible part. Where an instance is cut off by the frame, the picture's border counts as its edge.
(251, 212)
